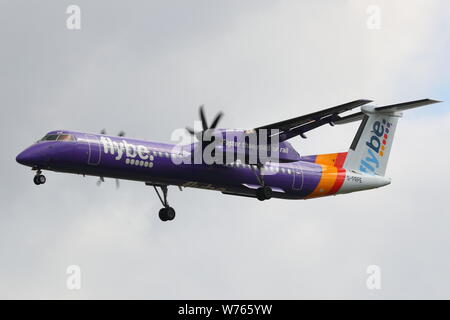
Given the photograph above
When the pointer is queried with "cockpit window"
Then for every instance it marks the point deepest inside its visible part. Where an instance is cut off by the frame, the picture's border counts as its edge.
(50, 137)
(66, 137)
(58, 137)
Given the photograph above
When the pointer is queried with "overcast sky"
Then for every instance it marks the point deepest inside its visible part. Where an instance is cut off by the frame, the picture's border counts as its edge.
(144, 67)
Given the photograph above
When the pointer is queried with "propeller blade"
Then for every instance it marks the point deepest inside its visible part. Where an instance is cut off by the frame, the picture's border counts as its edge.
(100, 180)
(190, 130)
(121, 133)
(117, 184)
(203, 118)
(216, 120)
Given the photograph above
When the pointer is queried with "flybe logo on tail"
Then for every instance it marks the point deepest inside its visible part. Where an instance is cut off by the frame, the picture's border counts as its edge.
(375, 146)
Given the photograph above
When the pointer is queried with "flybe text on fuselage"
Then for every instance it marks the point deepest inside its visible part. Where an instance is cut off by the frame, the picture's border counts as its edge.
(119, 149)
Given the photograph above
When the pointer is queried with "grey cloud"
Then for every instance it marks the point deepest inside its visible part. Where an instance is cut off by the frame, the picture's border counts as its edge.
(145, 68)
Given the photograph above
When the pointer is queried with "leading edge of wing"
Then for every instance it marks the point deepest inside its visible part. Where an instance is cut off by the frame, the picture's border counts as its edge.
(298, 121)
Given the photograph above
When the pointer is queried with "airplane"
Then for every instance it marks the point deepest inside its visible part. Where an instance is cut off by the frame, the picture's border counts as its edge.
(287, 175)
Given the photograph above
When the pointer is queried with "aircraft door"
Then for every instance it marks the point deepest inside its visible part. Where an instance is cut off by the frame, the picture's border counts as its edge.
(94, 154)
(297, 176)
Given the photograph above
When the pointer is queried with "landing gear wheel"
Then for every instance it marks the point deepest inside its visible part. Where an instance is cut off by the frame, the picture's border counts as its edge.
(167, 214)
(39, 179)
(264, 193)
(170, 213)
(162, 214)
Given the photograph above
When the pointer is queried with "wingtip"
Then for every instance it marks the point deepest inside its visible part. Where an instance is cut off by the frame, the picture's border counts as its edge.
(429, 101)
(363, 101)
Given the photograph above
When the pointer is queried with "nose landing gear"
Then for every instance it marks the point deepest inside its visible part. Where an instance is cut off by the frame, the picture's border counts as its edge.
(167, 213)
(39, 178)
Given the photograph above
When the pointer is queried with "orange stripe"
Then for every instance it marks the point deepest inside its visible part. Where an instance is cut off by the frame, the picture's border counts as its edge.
(326, 159)
(326, 183)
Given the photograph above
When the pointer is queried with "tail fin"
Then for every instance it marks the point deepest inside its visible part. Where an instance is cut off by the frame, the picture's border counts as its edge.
(370, 149)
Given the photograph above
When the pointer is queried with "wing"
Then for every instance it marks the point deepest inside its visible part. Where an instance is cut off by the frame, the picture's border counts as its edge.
(299, 125)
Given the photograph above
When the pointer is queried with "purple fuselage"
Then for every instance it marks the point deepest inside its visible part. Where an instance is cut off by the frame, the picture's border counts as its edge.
(158, 164)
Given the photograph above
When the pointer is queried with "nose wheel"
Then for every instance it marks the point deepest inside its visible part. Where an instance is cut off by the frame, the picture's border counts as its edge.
(39, 178)
(167, 213)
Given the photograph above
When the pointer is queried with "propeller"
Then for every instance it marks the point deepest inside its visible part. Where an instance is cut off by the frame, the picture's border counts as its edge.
(102, 179)
(205, 126)
(120, 134)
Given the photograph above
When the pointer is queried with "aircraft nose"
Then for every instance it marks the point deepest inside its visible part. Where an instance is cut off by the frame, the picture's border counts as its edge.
(32, 156)
(25, 157)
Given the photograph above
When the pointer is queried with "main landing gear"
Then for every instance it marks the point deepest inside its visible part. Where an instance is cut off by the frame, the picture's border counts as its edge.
(39, 178)
(264, 192)
(167, 213)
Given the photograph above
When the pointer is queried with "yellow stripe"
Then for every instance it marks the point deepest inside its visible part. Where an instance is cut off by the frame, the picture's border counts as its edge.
(327, 180)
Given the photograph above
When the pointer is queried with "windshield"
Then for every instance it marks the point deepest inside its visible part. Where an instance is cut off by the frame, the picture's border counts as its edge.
(66, 137)
(58, 137)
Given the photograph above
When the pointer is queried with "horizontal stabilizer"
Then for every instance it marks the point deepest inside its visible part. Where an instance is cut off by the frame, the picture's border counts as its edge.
(388, 109)
(406, 105)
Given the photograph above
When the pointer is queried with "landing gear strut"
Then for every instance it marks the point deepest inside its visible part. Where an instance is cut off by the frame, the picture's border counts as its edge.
(264, 192)
(167, 213)
(39, 178)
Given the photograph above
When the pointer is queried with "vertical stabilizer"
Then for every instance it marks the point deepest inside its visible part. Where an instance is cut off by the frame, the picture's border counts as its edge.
(371, 147)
